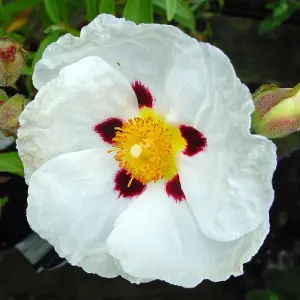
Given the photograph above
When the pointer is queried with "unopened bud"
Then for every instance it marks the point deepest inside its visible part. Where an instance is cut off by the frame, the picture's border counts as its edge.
(277, 111)
(10, 111)
(12, 61)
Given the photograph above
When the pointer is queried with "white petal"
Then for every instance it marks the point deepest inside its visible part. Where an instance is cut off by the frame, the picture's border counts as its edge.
(73, 205)
(144, 52)
(230, 189)
(62, 117)
(202, 90)
(194, 83)
(159, 238)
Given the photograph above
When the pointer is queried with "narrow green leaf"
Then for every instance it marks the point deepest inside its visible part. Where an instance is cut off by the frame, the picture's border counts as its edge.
(3, 201)
(107, 6)
(197, 4)
(171, 6)
(10, 162)
(189, 19)
(19, 5)
(183, 14)
(45, 42)
(28, 71)
(280, 14)
(139, 11)
(63, 10)
(1, 9)
(91, 9)
(271, 23)
(29, 86)
(52, 10)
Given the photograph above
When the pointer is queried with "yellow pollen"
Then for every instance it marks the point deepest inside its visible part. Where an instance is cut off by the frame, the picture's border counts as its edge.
(146, 146)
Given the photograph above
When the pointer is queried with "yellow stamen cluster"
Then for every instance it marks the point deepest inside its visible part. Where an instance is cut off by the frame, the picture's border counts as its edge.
(146, 146)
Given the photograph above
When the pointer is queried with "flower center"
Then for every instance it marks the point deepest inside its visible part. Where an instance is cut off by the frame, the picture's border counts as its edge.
(146, 146)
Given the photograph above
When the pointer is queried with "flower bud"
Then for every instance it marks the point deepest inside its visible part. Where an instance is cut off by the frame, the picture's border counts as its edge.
(12, 60)
(277, 111)
(10, 111)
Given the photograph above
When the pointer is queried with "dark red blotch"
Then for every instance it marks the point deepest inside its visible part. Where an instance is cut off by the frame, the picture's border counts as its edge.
(107, 130)
(174, 190)
(143, 95)
(196, 142)
(122, 179)
(9, 54)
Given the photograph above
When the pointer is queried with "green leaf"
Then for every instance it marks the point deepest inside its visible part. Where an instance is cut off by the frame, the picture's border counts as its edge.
(28, 71)
(183, 15)
(3, 201)
(10, 162)
(278, 17)
(197, 4)
(107, 6)
(45, 42)
(53, 28)
(261, 295)
(139, 11)
(171, 6)
(29, 86)
(91, 9)
(63, 10)
(280, 9)
(19, 5)
(1, 8)
(181, 9)
(52, 10)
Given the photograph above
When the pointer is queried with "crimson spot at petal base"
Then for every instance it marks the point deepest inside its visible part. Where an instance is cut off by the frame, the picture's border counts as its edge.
(121, 185)
(107, 129)
(143, 95)
(174, 190)
(196, 142)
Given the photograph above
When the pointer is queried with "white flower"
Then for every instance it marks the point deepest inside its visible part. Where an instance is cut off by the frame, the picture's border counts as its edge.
(139, 157)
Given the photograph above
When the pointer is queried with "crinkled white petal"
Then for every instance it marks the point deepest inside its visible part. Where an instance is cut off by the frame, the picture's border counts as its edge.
(194, 83)
(230, 190)
(202, 90)
(144, 52)
(62, 116)
(158, 238)
(72, 204)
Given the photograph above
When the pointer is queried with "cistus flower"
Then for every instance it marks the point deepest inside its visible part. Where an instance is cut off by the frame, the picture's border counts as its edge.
(12, 61)
(139, 158)
(277, 110)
